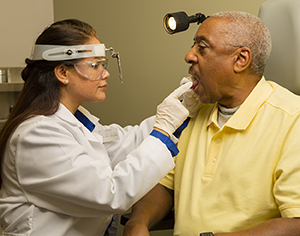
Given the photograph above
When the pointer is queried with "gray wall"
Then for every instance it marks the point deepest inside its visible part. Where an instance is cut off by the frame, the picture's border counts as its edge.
(152, 61)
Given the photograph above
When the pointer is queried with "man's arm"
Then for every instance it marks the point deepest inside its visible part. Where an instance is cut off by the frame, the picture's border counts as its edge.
(156, 204)
(148, 211)
(275, 227)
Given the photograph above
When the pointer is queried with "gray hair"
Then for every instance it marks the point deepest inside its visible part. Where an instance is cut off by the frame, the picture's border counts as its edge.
(247, 30)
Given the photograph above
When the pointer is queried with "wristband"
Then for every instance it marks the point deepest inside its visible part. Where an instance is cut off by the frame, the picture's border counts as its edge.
(167, 141)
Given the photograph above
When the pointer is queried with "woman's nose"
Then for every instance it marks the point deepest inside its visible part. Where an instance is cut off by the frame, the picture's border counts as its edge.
(106, 74)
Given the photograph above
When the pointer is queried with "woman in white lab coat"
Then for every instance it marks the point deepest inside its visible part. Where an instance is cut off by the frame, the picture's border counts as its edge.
(63, 173)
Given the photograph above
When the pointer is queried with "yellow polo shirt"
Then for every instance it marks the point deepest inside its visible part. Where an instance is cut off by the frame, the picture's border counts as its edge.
(247, 172)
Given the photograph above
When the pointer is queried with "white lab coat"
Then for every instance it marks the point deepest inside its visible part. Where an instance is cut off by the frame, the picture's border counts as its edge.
(61, 179)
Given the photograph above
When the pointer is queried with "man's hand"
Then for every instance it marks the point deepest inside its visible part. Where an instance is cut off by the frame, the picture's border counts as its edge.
(132, 229)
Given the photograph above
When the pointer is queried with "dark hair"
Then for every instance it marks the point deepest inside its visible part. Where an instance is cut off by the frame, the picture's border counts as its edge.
(41, 92)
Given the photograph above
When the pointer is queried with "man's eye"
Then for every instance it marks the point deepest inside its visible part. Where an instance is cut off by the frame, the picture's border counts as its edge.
(201, 47)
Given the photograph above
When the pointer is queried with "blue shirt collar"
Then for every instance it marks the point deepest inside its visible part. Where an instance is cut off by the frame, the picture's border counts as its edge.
(84, 120)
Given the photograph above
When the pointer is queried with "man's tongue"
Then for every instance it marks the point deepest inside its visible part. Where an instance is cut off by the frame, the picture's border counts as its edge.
(195, 84)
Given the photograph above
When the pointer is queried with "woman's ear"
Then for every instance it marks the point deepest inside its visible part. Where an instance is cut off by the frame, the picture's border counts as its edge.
(243, 59)
(61, 74)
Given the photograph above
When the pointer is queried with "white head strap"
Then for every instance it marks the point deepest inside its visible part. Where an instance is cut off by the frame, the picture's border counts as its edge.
(61, 53)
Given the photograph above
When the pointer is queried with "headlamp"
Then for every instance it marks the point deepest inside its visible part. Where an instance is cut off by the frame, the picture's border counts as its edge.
(62, 53)
(180, 21)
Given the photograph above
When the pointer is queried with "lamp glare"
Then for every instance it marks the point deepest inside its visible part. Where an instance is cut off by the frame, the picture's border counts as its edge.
(172, 23)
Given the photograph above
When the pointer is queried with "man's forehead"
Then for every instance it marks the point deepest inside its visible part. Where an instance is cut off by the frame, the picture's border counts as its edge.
(211, 27)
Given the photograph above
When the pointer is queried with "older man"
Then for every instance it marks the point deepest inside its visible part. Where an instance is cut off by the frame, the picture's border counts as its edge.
(238, 171)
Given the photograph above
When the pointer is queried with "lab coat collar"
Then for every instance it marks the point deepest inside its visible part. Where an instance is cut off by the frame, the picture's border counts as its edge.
(94, 119)
(64, 114)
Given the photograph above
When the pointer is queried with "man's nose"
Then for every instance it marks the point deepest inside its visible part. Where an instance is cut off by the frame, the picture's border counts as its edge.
(190, 57)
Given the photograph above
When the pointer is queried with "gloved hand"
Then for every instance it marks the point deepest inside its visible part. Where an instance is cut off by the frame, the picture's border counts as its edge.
(191, 100)
(170, 114)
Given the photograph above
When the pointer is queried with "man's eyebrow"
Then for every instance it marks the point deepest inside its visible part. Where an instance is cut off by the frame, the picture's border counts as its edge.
(201, 38)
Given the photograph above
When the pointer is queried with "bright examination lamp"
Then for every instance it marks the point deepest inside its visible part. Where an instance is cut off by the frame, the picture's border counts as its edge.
(180, 21)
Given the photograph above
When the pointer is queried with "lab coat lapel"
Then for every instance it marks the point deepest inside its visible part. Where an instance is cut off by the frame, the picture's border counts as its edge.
(64, 114)
(96, 149)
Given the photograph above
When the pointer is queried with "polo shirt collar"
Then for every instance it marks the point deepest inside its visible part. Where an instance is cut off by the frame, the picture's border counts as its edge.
(245, 114)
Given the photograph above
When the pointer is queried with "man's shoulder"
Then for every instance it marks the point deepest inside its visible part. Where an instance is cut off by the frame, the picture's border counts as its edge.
(282, 98)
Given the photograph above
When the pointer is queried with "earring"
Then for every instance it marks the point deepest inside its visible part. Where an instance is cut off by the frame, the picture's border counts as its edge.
(66, 81)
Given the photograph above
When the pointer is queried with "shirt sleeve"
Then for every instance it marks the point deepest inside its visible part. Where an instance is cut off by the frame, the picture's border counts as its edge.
(168, 180)
(129, 138)
(287, 172)
(167, 141)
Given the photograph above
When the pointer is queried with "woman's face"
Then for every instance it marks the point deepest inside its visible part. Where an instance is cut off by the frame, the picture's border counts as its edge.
(82, 88)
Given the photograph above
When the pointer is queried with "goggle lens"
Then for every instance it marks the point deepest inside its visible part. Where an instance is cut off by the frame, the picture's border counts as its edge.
(93, 69)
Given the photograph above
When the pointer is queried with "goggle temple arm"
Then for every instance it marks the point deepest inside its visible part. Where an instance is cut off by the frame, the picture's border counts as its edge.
(117, 56)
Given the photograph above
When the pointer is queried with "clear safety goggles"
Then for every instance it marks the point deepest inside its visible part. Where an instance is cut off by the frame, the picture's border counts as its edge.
(93, 69)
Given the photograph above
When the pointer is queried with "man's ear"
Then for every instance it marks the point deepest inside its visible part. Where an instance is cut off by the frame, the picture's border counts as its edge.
(243, 59)
(61, 73)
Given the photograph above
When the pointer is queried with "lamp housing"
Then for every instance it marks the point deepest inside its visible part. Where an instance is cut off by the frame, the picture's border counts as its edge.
(180, 21)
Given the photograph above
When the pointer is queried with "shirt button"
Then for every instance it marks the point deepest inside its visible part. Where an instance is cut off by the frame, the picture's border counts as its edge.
(214, 160)
(218, 140)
